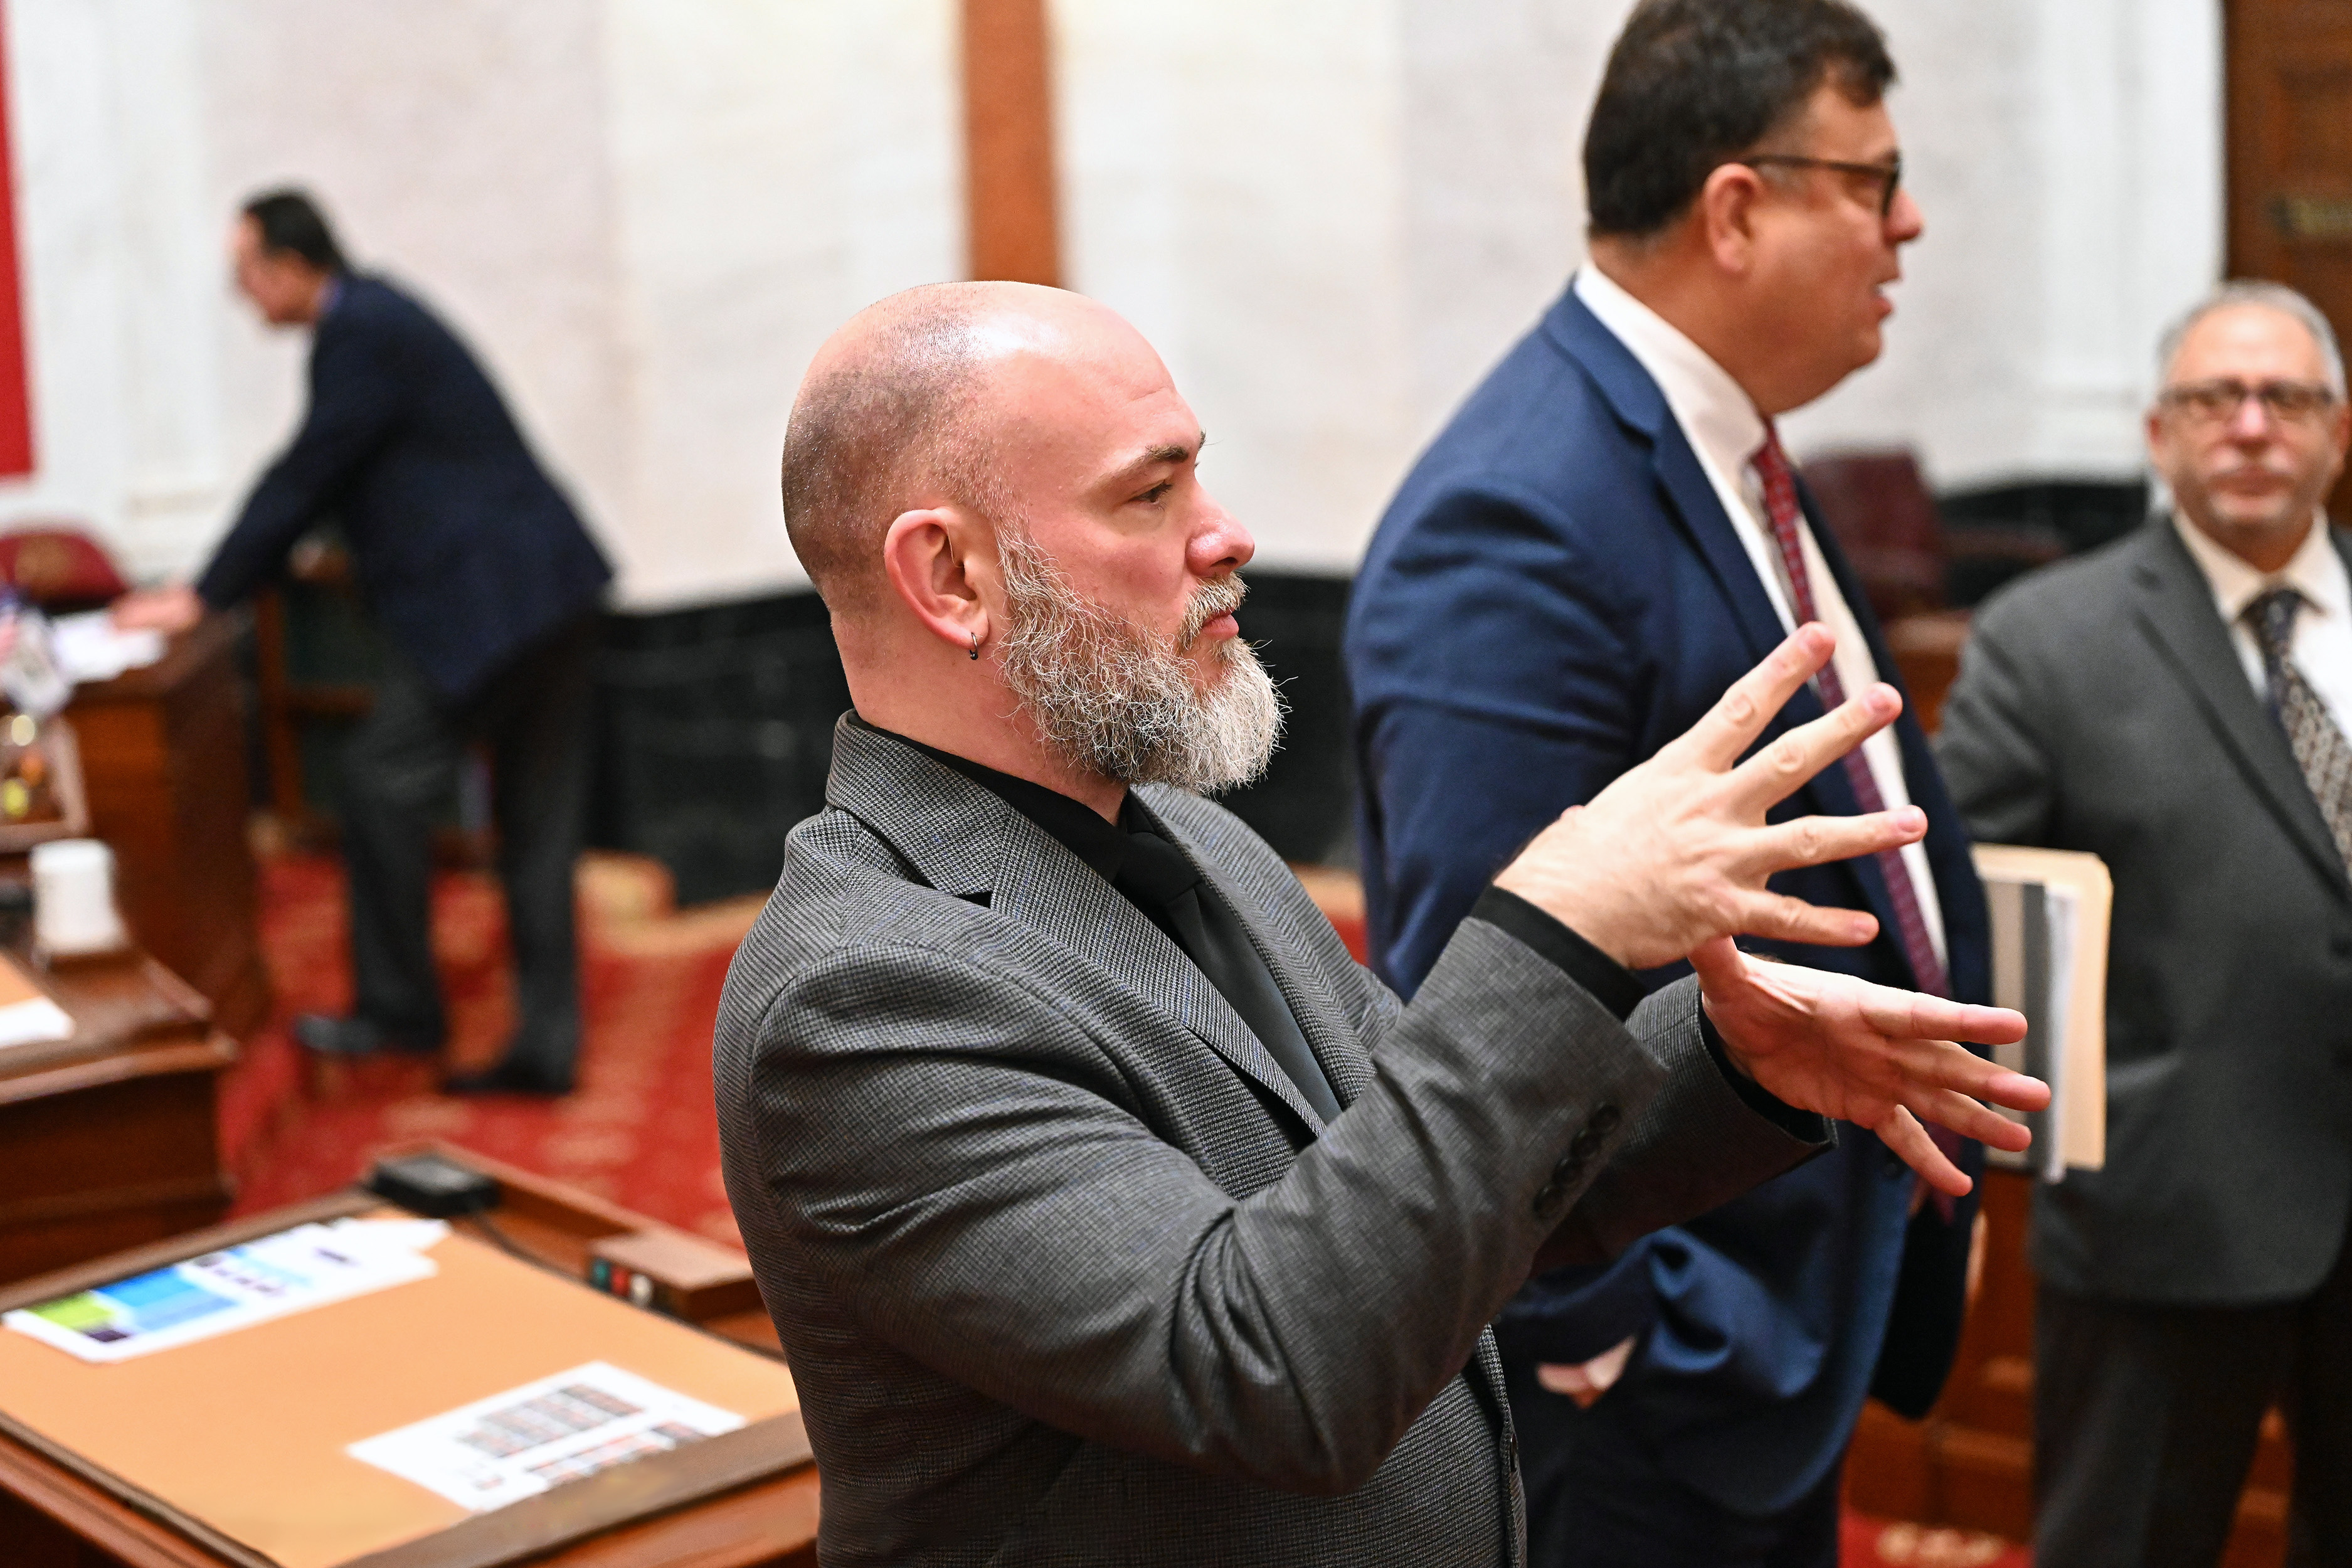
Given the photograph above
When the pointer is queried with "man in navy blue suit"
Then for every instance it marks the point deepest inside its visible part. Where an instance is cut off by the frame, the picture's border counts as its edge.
(488, 587)
(1606, 536)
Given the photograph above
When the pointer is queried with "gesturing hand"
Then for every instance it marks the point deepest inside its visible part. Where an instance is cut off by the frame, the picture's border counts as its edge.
(170, 610)
(1675, 851)
(1870, 1055)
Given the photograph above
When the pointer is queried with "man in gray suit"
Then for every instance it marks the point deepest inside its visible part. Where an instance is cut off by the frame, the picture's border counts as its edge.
(2178, 704)
(1107, 1211)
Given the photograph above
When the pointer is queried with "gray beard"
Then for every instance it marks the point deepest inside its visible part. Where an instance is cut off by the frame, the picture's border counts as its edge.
(1114, 702)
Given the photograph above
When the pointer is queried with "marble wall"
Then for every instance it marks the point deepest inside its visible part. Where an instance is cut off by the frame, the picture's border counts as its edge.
(644, 214)
(1334, 218)
(1331, 215)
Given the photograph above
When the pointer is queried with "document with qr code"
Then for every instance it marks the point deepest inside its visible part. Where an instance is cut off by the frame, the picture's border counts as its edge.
(518, 1444)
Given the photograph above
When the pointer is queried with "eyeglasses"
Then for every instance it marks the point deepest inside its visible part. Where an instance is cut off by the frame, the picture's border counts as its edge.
(2214, 402)
(1889, 175)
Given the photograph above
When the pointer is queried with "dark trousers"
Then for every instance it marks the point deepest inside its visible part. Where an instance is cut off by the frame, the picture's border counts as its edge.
(399, 768)
(1596, 1498)
(2146, 1420)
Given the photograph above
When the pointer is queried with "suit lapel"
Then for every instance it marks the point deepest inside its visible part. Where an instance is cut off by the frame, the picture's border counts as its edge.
(1698, 510)
(2175, 609)
(1044, 885)
(967, 842)
(1642, 407)
(1265, 914)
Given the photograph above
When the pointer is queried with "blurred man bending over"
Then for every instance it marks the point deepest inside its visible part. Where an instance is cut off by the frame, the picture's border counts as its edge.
(486, 586)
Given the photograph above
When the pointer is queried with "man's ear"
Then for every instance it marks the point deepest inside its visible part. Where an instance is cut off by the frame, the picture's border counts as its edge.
(1727, 211)
(927, 554)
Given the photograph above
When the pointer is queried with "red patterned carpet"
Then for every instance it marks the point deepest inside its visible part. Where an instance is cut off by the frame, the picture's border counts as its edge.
(641, 1131)
(1876, 1544)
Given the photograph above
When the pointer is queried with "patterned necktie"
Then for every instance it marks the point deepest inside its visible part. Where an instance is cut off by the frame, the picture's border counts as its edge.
(1910, 924)
(2320, 748)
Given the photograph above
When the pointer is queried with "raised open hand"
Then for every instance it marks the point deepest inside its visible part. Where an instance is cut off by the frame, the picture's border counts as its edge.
(1871, 1054)
(1675, 853)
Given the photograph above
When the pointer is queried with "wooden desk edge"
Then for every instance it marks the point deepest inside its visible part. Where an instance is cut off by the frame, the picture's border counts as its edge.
(636, 1498)
(115, 1063)
(179, 1249)
(184, 654)
(102, 1518)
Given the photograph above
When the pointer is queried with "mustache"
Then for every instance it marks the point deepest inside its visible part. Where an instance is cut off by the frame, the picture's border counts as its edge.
(2267, 470)
(1222, 598)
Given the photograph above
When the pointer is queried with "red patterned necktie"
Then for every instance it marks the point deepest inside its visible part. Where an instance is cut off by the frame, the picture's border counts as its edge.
(1910, 924)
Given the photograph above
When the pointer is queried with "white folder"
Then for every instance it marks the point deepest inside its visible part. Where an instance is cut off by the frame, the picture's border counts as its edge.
(2051, 910)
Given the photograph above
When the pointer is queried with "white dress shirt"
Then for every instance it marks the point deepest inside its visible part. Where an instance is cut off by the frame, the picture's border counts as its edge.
(1725, 429)
(2321, 646)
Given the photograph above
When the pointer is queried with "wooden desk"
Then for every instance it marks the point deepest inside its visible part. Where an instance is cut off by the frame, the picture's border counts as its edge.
(110, 1139)
(52, 1518)
(163, 757)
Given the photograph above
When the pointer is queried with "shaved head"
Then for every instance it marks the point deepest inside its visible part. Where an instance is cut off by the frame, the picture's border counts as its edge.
(995, 488)
(893, 413)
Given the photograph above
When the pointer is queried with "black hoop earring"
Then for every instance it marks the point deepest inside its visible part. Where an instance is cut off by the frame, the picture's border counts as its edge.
(975, 644)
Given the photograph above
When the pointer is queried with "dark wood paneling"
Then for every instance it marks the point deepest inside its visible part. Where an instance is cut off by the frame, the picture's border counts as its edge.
(164, 758)
(2290, 153)
(1008, 110)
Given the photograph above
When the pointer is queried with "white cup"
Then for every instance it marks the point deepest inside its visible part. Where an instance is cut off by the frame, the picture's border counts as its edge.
(73, 897)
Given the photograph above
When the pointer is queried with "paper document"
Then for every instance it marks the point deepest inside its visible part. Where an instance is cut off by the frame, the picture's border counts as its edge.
(518, 1444)
(2049, 913)
(27, 1016)
(87, 647)
(233, 1288)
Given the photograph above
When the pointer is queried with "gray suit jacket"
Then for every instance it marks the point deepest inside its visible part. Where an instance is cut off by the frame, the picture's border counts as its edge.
(2100, 706)
(1066, 1269)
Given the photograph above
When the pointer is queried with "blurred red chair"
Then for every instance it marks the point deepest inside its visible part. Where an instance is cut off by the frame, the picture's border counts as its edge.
(1878, 505)
(60, 567)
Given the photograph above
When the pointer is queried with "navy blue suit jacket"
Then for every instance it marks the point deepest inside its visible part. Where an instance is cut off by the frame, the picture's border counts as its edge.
(1555, 592)
(464, 549)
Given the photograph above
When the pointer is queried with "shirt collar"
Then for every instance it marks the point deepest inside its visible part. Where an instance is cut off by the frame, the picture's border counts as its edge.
(1713, 409)
(2316, 572)
(1077, 825)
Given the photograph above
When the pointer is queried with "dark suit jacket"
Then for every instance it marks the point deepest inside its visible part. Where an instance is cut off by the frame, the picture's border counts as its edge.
(464, 549)
(1069, 1272)
(2101, 707)
(1556, 592)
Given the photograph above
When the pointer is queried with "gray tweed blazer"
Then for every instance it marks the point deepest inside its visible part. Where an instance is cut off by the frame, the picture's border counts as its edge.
(2101, 706)
(1067, 1270)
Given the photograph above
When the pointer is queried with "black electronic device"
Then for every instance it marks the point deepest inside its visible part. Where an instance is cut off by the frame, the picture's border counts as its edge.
(433, 1185)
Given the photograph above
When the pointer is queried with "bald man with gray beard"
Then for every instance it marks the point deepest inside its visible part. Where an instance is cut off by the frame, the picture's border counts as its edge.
(1107, 1211)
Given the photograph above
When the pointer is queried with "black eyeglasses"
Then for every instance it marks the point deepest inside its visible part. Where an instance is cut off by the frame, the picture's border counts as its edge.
(1889, 175)
(2286, 402)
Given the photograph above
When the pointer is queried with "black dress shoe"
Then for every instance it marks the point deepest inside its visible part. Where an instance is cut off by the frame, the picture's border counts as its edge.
(509, 1077)
(357, 1036)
